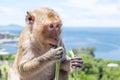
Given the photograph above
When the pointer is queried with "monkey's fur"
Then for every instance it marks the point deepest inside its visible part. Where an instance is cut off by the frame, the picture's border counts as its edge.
(36, 56)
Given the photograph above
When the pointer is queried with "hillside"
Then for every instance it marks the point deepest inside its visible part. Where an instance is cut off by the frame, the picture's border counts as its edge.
(12, 28)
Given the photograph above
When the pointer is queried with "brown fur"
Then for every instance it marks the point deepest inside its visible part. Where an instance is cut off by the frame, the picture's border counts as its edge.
(36, 58)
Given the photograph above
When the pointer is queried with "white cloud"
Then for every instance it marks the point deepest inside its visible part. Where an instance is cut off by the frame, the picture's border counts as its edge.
(91, 13)
(11, 16)
(72, 12)
(10, 11)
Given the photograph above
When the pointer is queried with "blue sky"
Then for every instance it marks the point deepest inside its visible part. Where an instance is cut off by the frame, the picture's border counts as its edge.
(80, 13)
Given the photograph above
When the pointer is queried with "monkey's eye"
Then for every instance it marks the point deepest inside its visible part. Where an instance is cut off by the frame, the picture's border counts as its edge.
(51, 26)
(29, 18)
(58, 26)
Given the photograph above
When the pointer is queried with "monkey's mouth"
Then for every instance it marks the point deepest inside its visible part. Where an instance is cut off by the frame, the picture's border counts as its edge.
(53, 42)
(53, 46)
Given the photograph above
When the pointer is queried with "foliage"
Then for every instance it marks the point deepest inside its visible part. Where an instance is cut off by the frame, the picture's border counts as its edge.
(7, 57)
(93, 68)
(57, 70)
(5, 62)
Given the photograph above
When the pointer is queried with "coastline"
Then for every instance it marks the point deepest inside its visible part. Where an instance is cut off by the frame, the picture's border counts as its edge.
(8, 40)
(3, 52)
(2, 41)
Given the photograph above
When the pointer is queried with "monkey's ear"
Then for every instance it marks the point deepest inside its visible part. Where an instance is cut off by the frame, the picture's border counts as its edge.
(30, 18)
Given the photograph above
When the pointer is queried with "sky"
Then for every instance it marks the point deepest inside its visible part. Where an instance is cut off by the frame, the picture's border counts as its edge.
(77, 13)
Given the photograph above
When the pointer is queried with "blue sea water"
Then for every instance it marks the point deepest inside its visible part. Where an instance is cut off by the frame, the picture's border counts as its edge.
(106, 41)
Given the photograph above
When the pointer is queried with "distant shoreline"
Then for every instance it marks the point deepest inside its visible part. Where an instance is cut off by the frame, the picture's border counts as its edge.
(2, 41)
(3, 53)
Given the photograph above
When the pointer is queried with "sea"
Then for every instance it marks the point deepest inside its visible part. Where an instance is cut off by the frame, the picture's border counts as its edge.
(106, 40)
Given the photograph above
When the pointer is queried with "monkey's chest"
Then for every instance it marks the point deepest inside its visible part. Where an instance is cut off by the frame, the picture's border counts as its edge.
(47, 73)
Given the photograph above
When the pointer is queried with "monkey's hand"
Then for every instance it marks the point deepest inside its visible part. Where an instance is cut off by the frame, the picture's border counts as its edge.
(70, 64)
(57, 54)
(76, 63)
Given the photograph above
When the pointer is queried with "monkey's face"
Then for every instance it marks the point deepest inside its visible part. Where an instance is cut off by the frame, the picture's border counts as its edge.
(51, 33)
(46, 26)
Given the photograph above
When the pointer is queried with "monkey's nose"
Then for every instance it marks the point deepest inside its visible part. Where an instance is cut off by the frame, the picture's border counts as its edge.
(54, 24)
(56, 39)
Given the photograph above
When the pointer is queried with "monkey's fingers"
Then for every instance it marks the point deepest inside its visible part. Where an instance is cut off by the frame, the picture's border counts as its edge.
(76, 65)
(77, 61)
(59, 49)
(59, 55)
(76, 58)
(59, 52)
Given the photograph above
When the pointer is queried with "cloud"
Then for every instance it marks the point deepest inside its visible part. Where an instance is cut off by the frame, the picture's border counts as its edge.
(11, 16)
(92, 13)
(73, 12)
(108, 1)
(10, 11)
(93, 7)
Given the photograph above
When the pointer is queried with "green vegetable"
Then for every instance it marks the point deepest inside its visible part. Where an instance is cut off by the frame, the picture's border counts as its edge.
(75, 73)
(57, 70)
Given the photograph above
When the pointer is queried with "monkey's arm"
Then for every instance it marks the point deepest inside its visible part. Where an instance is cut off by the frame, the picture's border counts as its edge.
(27, 66)
(33, 64)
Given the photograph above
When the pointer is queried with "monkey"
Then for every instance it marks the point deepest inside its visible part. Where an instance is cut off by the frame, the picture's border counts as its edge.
(40, 46)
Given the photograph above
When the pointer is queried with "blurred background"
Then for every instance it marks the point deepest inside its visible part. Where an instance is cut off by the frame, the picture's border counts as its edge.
(91, 30)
